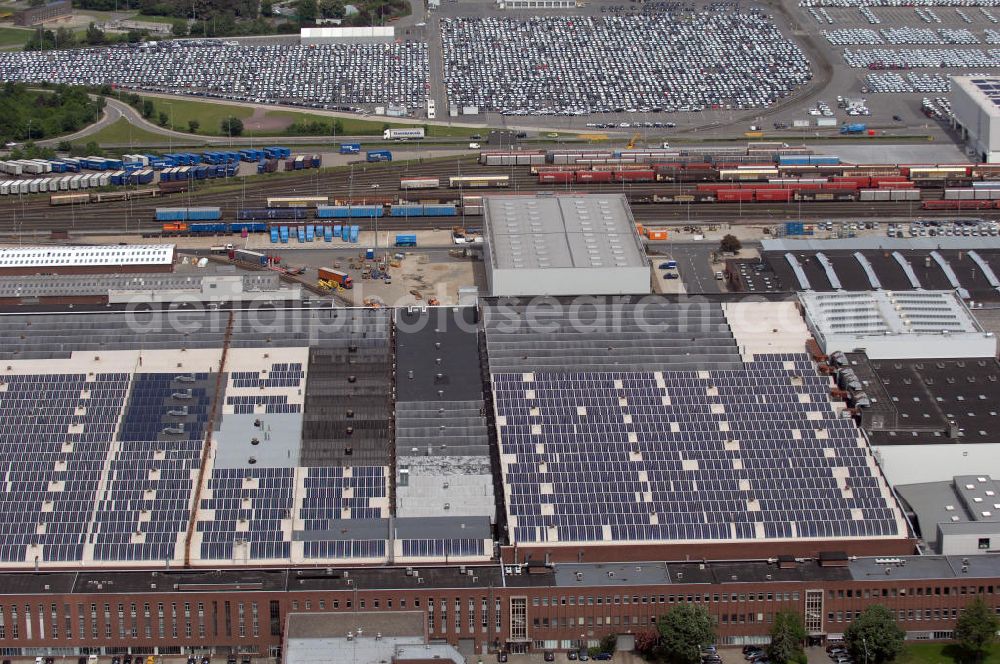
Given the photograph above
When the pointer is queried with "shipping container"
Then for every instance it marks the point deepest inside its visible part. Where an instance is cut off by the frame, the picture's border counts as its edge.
(250, 257)
(336, 276)
(734, 195)
(378, 155)
(406, 240)
(772, 195)
(588, 177)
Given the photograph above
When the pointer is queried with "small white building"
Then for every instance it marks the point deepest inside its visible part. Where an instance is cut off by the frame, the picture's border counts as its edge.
(338, 35)
(975, 103)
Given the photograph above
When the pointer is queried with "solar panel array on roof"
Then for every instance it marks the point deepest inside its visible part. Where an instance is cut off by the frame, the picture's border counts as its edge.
(990, 87)
(752, 453)
(145, 506)
(608, 335)
(54, 439)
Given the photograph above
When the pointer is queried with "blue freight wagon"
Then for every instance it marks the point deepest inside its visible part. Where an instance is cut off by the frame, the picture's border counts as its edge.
(271, 213)
(440, 210)
(209, 228)
(171, 214)
(824, 160)
(350, 148)
(793, 160)
(204, 214)
(406, 211)
(332, 211)
(248, 226)
(366, 211)
(406, 240)
(378, 155)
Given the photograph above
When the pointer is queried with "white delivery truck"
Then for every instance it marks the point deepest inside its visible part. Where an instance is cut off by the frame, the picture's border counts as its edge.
(403, 134)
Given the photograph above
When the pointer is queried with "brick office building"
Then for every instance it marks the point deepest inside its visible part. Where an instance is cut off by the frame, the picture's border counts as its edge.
(480, 608)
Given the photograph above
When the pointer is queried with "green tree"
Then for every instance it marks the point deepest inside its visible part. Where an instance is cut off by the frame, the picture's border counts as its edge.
(684, 630)
(36, 3)
(266, 8)
(609, 643)
(976, 630)
(147, 108)
(730, 244)
(193, 126)
(331, 8)
(787, 635)
(874, 637)
(162, 119)
(94, 36)
(179, 28)
(306, 11)
(232, 126)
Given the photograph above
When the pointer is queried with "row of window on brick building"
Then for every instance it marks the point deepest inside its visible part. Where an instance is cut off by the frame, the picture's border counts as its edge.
(123, 620)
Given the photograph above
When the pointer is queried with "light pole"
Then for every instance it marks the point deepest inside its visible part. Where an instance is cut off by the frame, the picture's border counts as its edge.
(171, 136)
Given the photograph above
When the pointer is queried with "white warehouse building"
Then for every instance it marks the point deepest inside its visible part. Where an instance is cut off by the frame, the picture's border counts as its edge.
(372, 35)
(563, 245)
(975, 103)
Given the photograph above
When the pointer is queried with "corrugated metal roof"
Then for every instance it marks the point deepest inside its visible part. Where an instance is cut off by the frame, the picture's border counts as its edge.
(73, 256)
(582, 231)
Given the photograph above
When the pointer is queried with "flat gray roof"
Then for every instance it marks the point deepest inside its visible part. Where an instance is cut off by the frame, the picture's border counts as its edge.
(279, 439)
(611, 574)
(916, 568)
(587, 231)
(445, 527)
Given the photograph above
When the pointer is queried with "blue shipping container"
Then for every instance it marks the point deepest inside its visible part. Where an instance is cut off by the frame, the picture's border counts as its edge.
(440, 211)
(327, 234)
(355, 232)
(406, 240)
(274, 235)
(406, 211)
(345, 233)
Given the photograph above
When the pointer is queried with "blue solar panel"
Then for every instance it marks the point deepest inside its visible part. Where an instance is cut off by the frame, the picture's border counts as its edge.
(751, 453)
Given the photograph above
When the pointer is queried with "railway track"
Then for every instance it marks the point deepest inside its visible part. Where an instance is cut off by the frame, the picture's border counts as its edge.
(33, 215)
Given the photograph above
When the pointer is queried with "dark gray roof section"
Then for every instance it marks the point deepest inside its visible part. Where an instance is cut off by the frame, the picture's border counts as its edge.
(347, 530)
(468, 527)
(437, 354)
(925, 401)
(436, 428)
(59, 334)
(648, 333)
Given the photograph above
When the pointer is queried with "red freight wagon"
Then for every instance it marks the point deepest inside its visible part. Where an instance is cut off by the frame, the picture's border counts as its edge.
(735, 195)
(555, 178)
(957, 205)
(634, 176)
(585, 177)
(861, 181)
(773, 195)
(839, 185)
